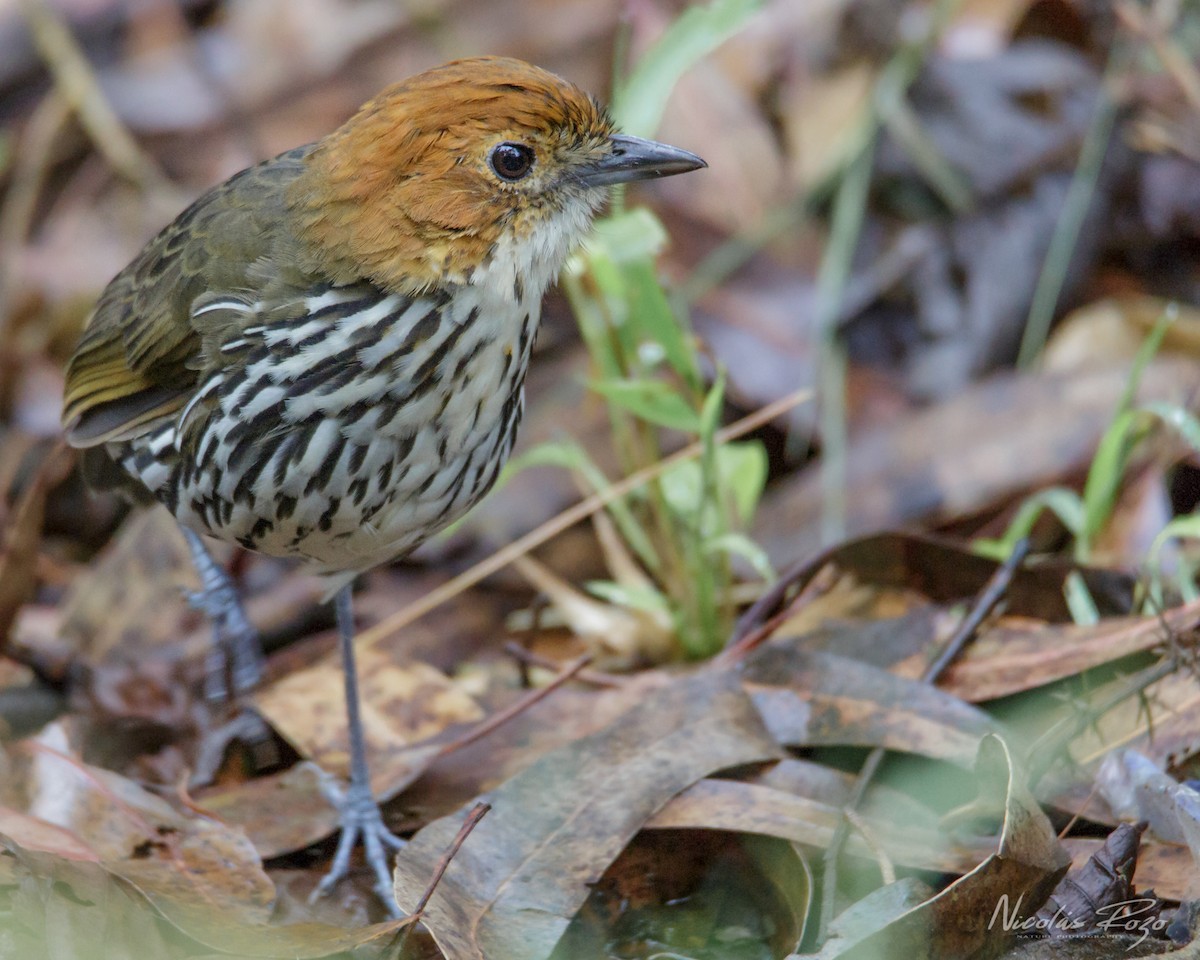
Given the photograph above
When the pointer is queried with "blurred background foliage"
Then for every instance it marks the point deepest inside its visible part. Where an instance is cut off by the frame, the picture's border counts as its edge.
(902, 198)
(956, 244)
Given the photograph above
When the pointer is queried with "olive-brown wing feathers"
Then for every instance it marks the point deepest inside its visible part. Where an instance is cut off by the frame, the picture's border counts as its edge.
(145, 346)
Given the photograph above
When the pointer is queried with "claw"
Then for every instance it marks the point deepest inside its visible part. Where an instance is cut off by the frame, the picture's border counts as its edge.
(360, 819)
(246, 727)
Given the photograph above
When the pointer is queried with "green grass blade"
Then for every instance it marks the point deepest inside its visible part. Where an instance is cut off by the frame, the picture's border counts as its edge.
(638, 103)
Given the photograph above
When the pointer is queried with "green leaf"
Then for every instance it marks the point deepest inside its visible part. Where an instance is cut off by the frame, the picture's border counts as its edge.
(553, 453)
(620, 259)
(683, 489)
(739, 545)
(652, 400)
(638, 104)
(599, 300)
(1112, 456)
(1179, 419)
(741, 473)
(1064, 503)
(742, 468)
(569, 455)
(627, 237)
(654, 324)
(645, 598)
(1180, 527)
(1079, 600)
(710, 412)
(1146, 352)
(1104, 477)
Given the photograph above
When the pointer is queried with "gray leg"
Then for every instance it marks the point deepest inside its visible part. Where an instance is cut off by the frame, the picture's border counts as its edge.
(237, 656)
(360, 814)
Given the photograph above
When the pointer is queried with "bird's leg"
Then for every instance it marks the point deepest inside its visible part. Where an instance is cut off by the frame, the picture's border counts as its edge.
(360, 816)
(237, 656)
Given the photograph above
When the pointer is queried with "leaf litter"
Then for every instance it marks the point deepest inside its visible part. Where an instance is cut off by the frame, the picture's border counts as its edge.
(677, 808)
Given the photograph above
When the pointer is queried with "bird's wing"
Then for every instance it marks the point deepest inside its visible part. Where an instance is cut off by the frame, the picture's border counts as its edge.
(144, 346)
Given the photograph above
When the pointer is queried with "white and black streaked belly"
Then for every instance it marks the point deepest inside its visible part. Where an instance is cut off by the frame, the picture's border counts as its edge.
(348, 436)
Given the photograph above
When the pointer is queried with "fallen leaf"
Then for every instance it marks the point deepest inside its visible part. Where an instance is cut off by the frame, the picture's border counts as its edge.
(820, 699)
(1013, 656)
(995, 440)
(749, 808)
(403, 704)
(962, 920)
(23, 536)
(554, 828)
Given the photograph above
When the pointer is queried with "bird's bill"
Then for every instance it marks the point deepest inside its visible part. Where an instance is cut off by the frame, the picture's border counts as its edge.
(633, 158)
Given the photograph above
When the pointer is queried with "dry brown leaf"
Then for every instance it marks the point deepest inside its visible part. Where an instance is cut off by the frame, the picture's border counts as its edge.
(1090, 890)
(136, 835)
(403, 704)
(1014, 656)
(404, 708)
(1165, 725)
(1166, 868)
(132, 600)
(823, 119)
(749, 808)
(572, 713)
(68, 909)
(1112, 330)
(820, 699)
(554, 828)
(86, 826)
(23, 537)
(994, 441)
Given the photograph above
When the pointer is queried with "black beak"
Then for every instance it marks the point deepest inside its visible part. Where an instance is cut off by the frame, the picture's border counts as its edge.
(633, 158)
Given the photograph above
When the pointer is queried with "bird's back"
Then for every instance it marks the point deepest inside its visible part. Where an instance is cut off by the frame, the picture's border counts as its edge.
(143, 349)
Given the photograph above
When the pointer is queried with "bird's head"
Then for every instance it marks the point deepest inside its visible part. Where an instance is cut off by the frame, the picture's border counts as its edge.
(487, 167)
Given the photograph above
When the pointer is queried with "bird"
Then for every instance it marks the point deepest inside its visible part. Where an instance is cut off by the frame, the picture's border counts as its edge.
(323, 357)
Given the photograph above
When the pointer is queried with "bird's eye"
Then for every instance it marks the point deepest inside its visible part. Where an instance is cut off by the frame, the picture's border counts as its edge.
(511, 161)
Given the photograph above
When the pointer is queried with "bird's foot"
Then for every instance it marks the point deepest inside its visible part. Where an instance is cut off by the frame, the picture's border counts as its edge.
(245, 727)
(360, 820)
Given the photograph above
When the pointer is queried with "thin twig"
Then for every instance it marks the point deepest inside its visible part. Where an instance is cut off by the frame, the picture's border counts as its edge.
(771, 601)
(1049, 745)
(992, 593)
(887, 869)
(748, 640)
(410, 922)
(502, 717)
(478, 812)
(32, 160)
(527, 658)
(1078, 814)
(1174, 61)
(568, 518)
(76, 82)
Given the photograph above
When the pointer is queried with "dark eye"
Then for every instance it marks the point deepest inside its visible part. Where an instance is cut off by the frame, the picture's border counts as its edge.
(511, 161)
